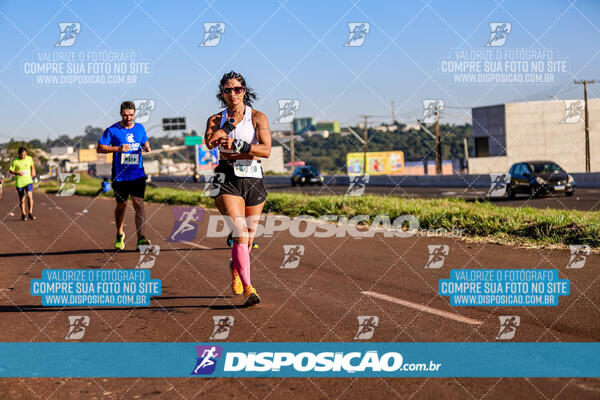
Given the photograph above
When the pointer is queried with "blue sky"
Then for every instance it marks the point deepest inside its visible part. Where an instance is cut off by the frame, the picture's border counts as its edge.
(286, 50)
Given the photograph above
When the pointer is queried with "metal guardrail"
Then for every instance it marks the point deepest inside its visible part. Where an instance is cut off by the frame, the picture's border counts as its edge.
(582, 180)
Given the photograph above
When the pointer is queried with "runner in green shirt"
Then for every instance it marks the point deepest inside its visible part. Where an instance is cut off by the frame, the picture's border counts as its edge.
(22, 167)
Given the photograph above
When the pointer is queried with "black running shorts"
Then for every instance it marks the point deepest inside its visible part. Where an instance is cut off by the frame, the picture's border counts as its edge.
(252, 190)
(123, 189)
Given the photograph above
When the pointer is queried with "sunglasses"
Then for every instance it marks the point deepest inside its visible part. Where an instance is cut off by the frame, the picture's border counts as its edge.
(237, 89)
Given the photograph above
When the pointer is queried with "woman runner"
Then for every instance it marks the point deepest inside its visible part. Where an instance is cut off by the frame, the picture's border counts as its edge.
(242, 135)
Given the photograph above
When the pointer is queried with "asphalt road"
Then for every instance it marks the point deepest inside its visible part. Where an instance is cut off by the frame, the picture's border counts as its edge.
(584, 199)
(317, 301)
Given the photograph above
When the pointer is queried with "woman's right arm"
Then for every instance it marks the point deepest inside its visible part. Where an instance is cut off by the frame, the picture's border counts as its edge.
(214, 133)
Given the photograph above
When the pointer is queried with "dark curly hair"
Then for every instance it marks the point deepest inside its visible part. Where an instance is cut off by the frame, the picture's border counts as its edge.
(249, 96)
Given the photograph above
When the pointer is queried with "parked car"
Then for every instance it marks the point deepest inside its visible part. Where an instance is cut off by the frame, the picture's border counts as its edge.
(306, 174)
(538, 178)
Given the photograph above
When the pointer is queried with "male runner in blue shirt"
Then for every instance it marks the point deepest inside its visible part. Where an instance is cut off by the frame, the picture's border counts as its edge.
(126, 139)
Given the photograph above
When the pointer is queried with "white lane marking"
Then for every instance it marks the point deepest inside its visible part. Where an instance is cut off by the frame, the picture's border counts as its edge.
(427, 309)
(198, 245)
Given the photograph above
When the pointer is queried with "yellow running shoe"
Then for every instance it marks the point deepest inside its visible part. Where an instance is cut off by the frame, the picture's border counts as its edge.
(250, 296)
(236, 283)
(120, 242)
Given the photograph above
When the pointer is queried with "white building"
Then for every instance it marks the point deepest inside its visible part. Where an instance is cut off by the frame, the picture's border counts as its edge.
(61, 151)
(537, 130)
(275, 161)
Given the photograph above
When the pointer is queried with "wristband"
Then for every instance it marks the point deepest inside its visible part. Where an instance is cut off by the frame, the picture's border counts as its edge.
(240, 146)
(228, 126)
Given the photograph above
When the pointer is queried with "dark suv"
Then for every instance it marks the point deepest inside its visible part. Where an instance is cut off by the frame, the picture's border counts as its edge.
(537, 178)
(306, 174)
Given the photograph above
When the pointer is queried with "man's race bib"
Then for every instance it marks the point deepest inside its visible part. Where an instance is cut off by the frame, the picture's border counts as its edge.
(25, 172)
(247, 169)
(130, 158)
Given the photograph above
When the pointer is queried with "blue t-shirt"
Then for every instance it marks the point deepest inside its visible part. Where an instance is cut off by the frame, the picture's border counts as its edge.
(126, 166)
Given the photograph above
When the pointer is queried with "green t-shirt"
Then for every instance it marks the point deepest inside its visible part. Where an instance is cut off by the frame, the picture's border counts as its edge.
(19, 165)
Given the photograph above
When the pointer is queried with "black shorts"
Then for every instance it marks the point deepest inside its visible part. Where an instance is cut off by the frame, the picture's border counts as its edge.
(135, 188)
(252, 190)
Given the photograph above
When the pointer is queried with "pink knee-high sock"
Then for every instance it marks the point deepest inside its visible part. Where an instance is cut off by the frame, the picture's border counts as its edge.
(241, 262)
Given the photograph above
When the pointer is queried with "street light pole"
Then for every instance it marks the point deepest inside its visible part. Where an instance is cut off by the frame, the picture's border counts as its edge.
(438, 147)
(365, 142)
(587, 127)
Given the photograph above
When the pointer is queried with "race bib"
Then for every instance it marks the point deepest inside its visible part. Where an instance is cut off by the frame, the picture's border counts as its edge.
(25, 172)
(247, 169)
(130, 158)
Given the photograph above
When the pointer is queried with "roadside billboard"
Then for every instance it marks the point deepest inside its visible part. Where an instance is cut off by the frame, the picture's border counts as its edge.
(206, 158)
(378, 163)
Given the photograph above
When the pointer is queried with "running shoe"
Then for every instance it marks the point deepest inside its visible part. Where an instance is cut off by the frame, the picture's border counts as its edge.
(120, 242)
(31, 216)
(236, 283)
(23, 217)
(143, 241)
(250, 296)
(254, 245)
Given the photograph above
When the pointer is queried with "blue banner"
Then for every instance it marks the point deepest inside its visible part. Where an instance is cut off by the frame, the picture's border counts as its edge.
(504, 287)
(206, 156)
(99, 287)
(300, 359)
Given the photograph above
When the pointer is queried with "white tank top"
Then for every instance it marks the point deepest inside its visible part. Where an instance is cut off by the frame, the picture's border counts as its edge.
(244, 129)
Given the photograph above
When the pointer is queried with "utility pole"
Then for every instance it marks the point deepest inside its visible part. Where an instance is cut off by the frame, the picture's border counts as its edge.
(438, 147)
(587, 126)
(393, 113)
(366, 141)
(292, 158)
(466, 150)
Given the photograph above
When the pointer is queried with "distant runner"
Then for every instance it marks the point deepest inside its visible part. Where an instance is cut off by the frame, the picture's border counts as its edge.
(126, 139)
(22, 167)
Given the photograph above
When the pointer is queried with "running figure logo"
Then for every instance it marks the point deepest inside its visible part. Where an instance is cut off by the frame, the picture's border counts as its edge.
(437, 255)
(68, 33)
(358, 33)
(358, 183)
(431, 110)
(508, 326)
(143, 110)
(77, 325)
(287, 110)
(366, 326)
(212, 186)
(223, 324)
(579, 253)
(573, 111)
(499, 182)
(148, 254)
(207, 359)
(68, 183)
(212, 34)
(498, 33)
(292, 254)
(186, 223)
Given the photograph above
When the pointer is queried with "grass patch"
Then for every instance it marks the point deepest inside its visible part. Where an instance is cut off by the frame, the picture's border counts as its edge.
(540, 227)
